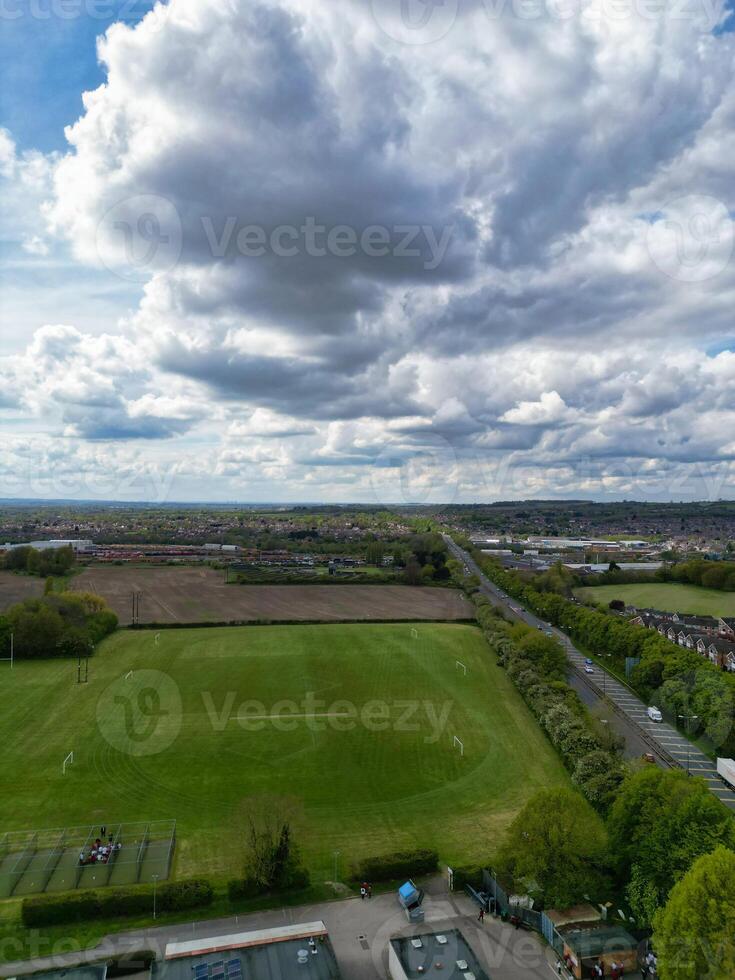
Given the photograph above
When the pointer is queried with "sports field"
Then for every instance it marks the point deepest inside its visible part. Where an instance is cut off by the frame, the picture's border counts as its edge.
(668, 597)
(352, 726)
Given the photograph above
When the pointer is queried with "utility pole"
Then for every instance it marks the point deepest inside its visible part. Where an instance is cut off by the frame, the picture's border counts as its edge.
(686, 719)
(136, 607)
(155, 880)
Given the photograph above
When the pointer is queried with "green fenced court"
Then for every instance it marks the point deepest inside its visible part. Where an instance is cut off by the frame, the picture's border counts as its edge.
(49, 860)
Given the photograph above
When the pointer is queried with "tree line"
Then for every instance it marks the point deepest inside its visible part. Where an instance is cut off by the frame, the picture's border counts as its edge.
(719, 575)
(45, 563)
(537, 665)
(65, 624)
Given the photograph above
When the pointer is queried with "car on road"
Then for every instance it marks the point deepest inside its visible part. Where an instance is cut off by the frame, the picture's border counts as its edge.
(648, 757)
(589, 669)
(587, 662)
(654, 714)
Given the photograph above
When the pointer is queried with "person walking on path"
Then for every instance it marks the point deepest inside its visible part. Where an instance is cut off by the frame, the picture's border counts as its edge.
(481, 914)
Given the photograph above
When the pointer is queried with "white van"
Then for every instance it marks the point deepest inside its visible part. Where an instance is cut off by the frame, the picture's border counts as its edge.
(654, 714)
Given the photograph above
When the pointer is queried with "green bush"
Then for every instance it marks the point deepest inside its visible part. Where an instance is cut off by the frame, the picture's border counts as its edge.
(47, 910)
(403, 864)
(243, 888)
(240, 888)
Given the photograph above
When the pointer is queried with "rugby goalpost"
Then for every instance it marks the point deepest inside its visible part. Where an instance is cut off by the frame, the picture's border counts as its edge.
(458, 665)
(414, 633)
(67, 762)
(458, 743)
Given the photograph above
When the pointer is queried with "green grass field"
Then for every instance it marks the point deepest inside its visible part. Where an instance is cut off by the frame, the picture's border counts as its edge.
(185, 737)
(668, 597)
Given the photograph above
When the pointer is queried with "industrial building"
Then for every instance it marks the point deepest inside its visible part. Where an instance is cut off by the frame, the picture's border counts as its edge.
(78, 545)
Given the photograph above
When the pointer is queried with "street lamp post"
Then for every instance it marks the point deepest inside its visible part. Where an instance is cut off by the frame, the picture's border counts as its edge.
(155, 880)
(686, 719)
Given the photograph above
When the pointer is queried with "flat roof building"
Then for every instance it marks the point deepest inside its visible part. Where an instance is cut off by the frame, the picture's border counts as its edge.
(297, 951)
(446, 955)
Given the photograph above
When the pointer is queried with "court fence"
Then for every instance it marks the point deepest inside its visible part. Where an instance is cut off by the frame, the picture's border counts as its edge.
(493, 895)
(61, 859)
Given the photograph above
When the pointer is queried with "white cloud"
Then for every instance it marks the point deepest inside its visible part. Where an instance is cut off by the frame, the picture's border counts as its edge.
(563, 331)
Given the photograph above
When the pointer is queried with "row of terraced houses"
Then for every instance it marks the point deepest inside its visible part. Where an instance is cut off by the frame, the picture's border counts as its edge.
(709, 636)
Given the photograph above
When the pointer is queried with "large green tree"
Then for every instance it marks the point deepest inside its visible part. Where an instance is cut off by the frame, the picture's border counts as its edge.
(660, 822)
(559, 844)
(694, 935)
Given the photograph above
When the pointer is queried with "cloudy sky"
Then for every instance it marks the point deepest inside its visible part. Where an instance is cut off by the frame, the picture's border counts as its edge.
(367, 250)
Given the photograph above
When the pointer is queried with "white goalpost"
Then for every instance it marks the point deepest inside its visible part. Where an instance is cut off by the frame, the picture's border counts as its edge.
(414, 633)
(460, 743)
(67, 762)
(128, 675)
(460, 666)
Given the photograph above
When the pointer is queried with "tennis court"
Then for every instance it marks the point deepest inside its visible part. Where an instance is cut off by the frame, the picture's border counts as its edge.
(50, 860)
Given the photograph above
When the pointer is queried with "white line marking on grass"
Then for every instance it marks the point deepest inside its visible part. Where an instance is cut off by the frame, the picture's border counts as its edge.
(285, 715)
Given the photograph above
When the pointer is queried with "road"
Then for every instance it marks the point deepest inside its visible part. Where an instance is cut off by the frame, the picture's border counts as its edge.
(622, 708)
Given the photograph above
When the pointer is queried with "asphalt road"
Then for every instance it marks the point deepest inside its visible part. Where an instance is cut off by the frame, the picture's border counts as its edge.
(609, 698)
